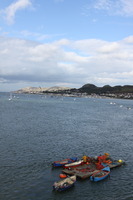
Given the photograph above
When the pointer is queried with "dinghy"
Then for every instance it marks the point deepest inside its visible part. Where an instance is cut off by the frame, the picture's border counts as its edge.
(100, 175)
(64, 162)
(74, 164)
(64, 184)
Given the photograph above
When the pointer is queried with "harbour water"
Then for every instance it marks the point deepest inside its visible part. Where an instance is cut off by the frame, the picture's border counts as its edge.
(36, 130)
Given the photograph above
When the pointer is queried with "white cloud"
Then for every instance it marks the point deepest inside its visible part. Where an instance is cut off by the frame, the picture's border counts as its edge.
(129, 39)
(113, 7)
(103, 4)
(127, 7)
(37, 36)
(69, 62)
(11, 10)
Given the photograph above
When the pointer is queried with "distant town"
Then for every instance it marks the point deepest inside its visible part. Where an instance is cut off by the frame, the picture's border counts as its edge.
(87, 90)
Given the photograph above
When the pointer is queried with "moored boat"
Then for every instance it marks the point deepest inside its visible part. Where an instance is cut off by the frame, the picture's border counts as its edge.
(64, 184)
(116, 163)
(83, 171)
(100, 175)
(64, 162)
(74, 164)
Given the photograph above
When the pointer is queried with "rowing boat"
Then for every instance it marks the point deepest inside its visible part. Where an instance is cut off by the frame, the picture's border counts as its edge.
(64, 162)
(64, 184)
(100, 175)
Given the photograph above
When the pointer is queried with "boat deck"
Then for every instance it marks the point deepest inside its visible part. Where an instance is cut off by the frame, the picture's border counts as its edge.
(83, 171)
(115, 164)
(86, 170)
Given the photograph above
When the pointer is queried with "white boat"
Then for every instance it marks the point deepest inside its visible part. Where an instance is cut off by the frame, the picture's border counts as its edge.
(10, 98)
(74, 164)
(64, 184)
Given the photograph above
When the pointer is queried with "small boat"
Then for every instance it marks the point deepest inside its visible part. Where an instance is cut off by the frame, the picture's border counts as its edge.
(100, 175)
(83, 171)
(116, 163)
(64, 162)
(74, 164)
(64, 184)
(10, 98)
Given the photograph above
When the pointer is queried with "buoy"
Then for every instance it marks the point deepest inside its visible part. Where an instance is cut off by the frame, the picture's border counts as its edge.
(63, 175)
(120, 161)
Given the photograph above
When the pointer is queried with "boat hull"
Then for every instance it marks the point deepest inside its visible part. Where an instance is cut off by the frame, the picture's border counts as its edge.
(63, 188)
(74, 164)
(84, 171)
(100, 175)
(64, 162)
(116, 163)
(64, 184)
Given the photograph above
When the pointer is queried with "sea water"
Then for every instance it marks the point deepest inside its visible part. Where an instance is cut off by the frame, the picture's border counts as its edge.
(36, 130)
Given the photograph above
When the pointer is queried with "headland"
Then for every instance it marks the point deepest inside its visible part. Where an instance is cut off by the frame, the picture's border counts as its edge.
(87, 90)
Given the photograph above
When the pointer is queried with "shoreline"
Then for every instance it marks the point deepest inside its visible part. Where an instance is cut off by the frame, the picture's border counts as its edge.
(128, 96)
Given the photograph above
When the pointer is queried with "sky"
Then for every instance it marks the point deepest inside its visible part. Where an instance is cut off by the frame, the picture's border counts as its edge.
(65, 43)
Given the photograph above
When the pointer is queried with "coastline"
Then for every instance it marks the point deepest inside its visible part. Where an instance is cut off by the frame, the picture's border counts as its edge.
(87, 90)
(83, 95)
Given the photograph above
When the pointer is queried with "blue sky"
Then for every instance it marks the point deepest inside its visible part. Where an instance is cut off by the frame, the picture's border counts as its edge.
(65, 43)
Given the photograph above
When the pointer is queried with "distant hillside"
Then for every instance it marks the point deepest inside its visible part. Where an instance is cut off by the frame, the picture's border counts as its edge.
(90, 88)
(125, 92)
(41, 89)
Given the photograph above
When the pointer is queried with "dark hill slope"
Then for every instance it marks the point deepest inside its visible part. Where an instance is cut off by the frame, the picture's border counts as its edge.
(90, 88)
